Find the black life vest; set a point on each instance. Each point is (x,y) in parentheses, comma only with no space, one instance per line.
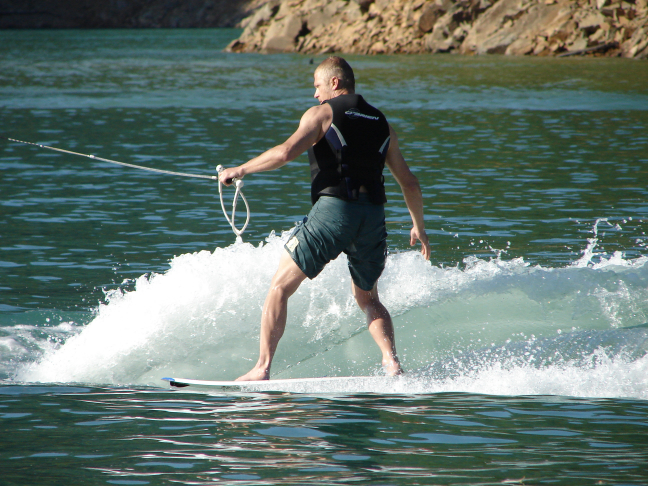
(351,153)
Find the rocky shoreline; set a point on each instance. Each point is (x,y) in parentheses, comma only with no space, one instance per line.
(512,27)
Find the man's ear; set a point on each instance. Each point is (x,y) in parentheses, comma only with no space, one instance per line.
(335,83)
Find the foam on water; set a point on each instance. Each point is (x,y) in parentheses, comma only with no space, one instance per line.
(497,326)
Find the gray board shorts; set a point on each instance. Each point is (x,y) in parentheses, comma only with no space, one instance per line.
(333,226)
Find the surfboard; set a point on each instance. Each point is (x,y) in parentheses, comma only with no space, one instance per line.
(323,384)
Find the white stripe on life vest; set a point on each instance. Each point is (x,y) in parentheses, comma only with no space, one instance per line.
(339,134)
(384,145)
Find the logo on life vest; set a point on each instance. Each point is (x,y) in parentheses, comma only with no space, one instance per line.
(354,113)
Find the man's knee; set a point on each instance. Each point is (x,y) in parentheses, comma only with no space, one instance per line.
(365,298)
(287,278)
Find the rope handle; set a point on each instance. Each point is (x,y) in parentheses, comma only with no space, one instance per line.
(219,169)
(238,183)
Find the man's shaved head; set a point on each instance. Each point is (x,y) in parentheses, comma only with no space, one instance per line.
(338,67)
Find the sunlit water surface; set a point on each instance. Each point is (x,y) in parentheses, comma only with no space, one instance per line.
(524,339)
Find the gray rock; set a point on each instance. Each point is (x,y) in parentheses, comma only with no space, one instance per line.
(512,26)
(429,17)
(281,35)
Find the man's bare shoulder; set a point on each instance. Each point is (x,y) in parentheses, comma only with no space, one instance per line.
(319,112)
(318,119)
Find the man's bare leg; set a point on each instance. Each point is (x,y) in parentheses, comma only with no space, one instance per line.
(275,311)
(380,327)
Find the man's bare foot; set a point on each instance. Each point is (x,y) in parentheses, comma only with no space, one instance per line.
(392,366)
(256,374)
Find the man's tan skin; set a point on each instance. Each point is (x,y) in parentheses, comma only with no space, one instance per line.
(312,127)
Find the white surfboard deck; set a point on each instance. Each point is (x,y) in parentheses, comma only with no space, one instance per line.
(331,383)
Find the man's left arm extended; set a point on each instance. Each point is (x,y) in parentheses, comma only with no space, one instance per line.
(308,133)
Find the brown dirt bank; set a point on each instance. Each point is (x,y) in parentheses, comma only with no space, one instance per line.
(513,27)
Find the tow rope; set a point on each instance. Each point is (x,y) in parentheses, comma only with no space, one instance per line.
(237,182)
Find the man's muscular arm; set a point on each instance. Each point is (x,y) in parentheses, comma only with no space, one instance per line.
(311,129)
(411,191)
